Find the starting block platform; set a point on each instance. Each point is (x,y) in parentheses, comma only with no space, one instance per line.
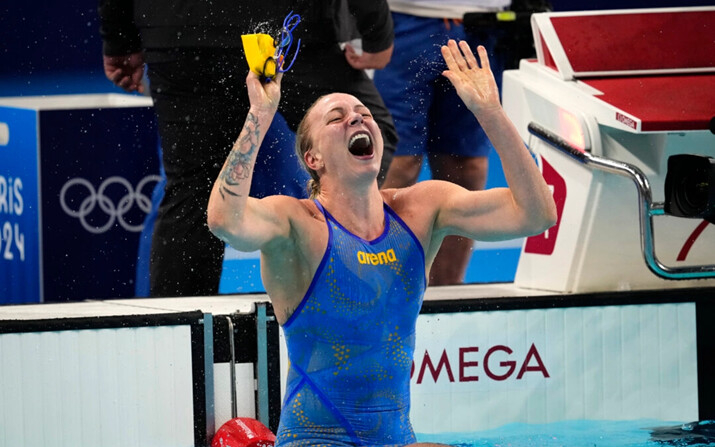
(609,98)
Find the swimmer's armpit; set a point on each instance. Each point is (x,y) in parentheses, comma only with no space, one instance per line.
(288,313)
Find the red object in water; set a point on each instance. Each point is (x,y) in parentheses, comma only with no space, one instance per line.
(243,432)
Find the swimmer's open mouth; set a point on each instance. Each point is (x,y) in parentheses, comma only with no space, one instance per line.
(360,145)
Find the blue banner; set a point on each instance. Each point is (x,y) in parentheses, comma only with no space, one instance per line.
(19,207)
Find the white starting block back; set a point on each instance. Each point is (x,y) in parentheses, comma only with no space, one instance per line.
(614,94)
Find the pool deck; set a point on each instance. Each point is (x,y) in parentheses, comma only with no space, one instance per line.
(227,304)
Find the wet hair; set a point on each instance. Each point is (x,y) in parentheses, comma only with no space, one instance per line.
(303,143)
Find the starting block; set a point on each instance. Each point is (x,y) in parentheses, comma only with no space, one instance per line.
(611,96)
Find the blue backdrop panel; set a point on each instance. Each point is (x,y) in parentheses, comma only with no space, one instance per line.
(98,170)
(19,209)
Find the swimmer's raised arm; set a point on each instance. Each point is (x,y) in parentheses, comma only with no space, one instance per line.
(526,207)
(244,222)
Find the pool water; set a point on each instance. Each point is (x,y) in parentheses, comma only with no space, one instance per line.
(585,433)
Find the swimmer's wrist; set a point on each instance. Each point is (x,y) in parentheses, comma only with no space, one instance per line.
(263,113)
(490,114)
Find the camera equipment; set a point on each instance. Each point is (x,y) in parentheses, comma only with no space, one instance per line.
(690,187)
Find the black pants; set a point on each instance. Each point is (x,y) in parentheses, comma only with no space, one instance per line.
(201,102)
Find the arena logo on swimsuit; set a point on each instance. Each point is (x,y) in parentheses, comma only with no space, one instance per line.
(384,257)
(500,371)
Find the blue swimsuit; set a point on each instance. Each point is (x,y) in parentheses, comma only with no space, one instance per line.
(351,340)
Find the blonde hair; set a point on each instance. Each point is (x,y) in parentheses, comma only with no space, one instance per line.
(304,143)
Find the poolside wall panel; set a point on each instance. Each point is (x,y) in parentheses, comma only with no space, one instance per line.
(100,387)
(480,370)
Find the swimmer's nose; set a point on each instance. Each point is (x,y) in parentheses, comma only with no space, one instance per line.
(356,119)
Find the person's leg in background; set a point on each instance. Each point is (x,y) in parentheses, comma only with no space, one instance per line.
(457,147)
(458,152)
(142,286)
(277,169)
(459,157)
(450,264)
(199,108)
(406,88)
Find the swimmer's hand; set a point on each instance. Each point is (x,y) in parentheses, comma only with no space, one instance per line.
(264,96)
(365,60)
(474,84)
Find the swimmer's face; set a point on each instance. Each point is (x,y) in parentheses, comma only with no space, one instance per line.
(344,133)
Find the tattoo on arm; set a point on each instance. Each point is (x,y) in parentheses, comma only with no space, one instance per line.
(224,190)
(240,161)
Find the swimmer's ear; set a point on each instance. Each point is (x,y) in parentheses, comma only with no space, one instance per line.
(313,161)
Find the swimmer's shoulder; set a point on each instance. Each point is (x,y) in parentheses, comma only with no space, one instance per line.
(417,204)
(298,211)
(423,195)
(420,204)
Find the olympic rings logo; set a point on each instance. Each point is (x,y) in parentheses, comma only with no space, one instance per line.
(115,212)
